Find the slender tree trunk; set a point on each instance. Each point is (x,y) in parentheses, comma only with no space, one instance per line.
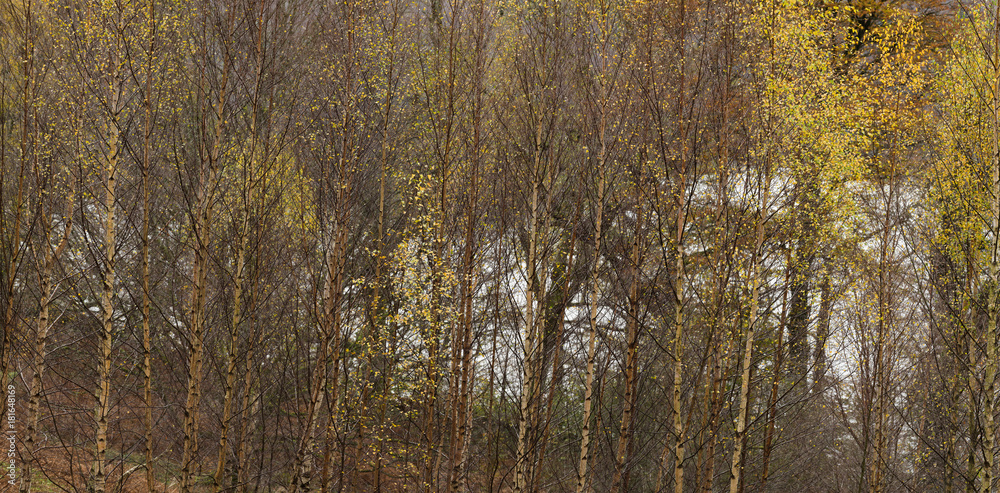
(13,250)
(434,341)
(822,328)
(713,408)
(250,398)
(249,198)
(595,298)
(801,286)
(681,222)
(231,359)
(776,379)
(713,399)
(50,258)
(328,359)
(303,468)
(621,476)
(462,343)
(736,469)
(679,355)
(975,436)
(526,432)
(192,405)
(491,389)
(883,350)
(330,347)
(103,409)
(993,307)
(556,315)
(204,202)
(379,307)
(147,341)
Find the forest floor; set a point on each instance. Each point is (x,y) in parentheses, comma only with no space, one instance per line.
(57,471)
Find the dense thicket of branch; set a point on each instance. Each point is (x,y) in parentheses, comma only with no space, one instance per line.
(480,245)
